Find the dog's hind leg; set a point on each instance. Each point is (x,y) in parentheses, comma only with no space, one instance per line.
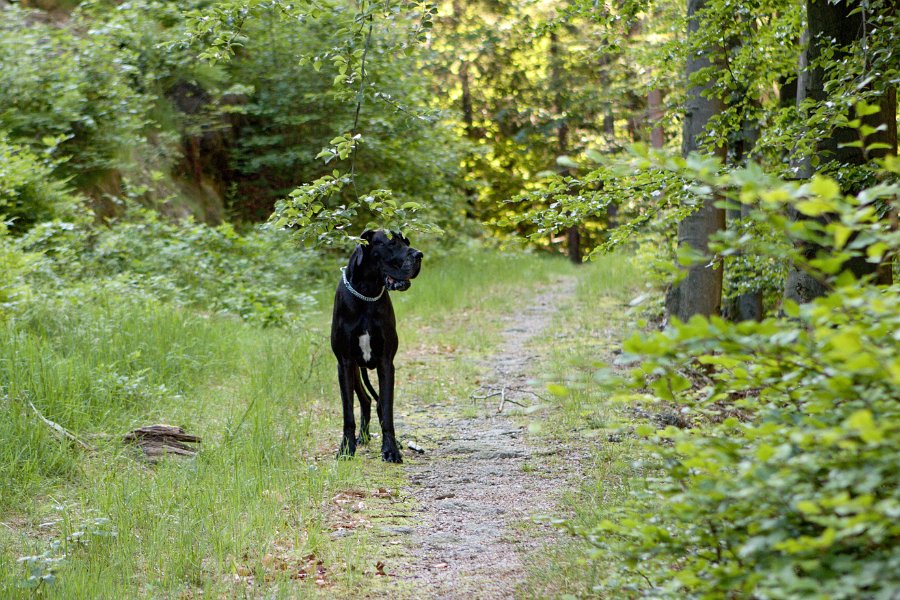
(365,408)
(365,378)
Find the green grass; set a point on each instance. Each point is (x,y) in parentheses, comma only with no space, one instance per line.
(258,500)
(588,331)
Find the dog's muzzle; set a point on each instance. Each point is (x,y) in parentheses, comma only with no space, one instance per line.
(400,280)
(396,285)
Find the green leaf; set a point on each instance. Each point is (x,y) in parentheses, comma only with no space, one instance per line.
(876,251)
(864,110)
(594,155)
(863,422)
(824,187)
(878,146)
(841,234)
(567,162)
(557,389)
(808,507)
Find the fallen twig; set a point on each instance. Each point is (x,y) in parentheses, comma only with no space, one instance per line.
(313,359)
(502,392)
(59,429)
(517,403)
(474,397)
(524,391)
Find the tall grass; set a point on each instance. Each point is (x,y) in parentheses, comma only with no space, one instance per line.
(473,280)
(103,368)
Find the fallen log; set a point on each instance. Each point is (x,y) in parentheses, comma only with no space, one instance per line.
(159,440)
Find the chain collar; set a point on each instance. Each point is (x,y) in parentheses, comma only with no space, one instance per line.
(354,292)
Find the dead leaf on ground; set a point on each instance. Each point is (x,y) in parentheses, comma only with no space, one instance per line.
(274,565)
(347,496)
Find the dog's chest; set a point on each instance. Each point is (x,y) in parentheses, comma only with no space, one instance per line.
(364,339)
(365,346)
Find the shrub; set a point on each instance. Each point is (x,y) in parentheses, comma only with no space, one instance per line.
(69,94)
(785,481)
(259,275)
(15,265)
(28,192)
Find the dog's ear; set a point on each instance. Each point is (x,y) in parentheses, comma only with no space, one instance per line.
(357,257)
(360,252)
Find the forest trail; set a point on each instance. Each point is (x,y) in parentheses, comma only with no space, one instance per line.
(480,482)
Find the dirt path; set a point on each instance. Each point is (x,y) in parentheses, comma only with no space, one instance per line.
(480,481)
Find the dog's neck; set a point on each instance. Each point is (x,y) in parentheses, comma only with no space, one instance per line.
(366,281)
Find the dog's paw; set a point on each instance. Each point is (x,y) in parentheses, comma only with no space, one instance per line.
(347,449)
(390,453)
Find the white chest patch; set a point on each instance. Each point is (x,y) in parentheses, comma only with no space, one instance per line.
(365,346)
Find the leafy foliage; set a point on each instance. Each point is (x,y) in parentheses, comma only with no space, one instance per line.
(785,481)
(423,116)
(67,95)
(16,265)
(259,276)
(29,193)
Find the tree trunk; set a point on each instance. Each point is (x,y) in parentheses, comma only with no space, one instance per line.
(468,115)
(700,292)
(573,236)
(836,26)
(655,113)
(831,26)
(749,305)
(573,240)
(468,118)
(802,286)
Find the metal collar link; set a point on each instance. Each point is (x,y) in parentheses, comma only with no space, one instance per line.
(354,292)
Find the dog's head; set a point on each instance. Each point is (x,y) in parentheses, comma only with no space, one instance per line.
(391,252)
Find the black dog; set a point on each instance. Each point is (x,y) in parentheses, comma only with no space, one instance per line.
(364,333)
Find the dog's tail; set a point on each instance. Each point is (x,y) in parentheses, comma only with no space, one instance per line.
(365,378)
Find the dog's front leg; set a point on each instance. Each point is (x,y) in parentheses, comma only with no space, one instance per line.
(346,381)
(389,450)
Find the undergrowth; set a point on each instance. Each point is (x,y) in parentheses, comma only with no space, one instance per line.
(253,512)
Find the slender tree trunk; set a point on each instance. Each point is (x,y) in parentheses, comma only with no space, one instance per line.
(609,128)
(609,122)
(573,236)
(888,116)
(468,118)
(700,292)
(466,95)
(655,113)
(747,306)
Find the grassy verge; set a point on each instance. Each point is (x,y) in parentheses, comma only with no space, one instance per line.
(589,330)
(263,509)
